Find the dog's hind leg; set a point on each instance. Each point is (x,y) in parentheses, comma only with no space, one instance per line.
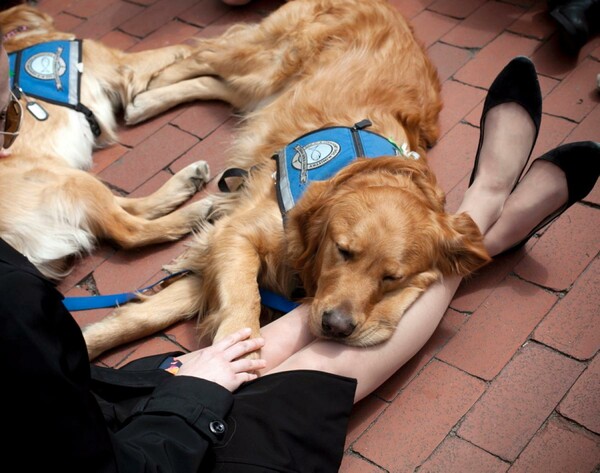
(130,231)
(178,301)
(173,193)
(141,67)
(106,219)
(155,101)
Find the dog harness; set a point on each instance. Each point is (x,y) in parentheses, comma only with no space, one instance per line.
(51,72)
(320,154)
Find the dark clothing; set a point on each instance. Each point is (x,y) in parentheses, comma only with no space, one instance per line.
(62,415)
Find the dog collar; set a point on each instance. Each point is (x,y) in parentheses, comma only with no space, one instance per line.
(319,155)
(14,32)
(51,72)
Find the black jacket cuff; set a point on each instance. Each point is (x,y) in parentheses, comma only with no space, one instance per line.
(201,403)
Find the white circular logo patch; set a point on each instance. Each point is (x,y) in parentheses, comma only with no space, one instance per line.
(317,154)
(45,66)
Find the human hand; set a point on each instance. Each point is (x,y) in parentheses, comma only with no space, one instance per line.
(219,363)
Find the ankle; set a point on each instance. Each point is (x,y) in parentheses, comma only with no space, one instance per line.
(483,205)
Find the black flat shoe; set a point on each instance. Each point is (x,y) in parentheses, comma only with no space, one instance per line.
(517,82)
(580,162)
(578,21)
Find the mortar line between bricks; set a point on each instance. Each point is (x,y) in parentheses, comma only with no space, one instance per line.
(455,428)
(453,434)
(453,79)
(586,362)
(471,50)
(570,120)
(561,293)
(372,423)
(118,28)
(132,2)
(574,424)
(175,125)
(367,460)
(189,23)
(495,455)
(487,382)
(118,190)
(539,430)
(73,15)
(174,341)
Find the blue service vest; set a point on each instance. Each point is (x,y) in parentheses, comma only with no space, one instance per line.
(51,72)
(320,154)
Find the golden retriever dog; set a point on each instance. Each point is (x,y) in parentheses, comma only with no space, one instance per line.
(51,208)
(363,243)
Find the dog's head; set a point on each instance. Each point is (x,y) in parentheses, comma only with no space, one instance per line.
(23,26)
(368,241)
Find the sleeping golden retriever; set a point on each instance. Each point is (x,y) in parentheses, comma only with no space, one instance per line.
(363,243)
(50,207)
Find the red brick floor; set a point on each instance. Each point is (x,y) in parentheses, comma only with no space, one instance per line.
(510,380)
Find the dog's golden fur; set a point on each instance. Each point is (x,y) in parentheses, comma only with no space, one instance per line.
(50,207)
(364,243)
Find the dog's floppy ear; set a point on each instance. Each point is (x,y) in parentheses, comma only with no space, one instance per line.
(304,228)
(461,243)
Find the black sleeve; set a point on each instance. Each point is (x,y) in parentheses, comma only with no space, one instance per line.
(172,429)
(53,421)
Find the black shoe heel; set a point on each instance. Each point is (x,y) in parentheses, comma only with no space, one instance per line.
(517,82)
(580,161)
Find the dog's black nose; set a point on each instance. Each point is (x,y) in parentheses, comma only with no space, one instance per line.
(336,323)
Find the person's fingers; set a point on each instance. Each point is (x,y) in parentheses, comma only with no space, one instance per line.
(232,339)
(243,348)
(245,364)
(245,377)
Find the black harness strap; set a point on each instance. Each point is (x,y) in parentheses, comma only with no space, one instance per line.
(231,172)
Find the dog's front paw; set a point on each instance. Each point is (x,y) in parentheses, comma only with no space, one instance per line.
(141,108)
(199,212)
(197,174)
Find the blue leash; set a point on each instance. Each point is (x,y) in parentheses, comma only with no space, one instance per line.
(268,298)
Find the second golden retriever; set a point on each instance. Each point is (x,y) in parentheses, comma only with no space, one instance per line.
(51,207)
(363,243)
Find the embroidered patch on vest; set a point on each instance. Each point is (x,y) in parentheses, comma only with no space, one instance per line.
(319,155)
(51,72)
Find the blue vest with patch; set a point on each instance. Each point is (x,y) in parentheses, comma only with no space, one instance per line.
(51,72)
(320,154)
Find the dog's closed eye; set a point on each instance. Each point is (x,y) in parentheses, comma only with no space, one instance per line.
(344,252)
(393,278)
